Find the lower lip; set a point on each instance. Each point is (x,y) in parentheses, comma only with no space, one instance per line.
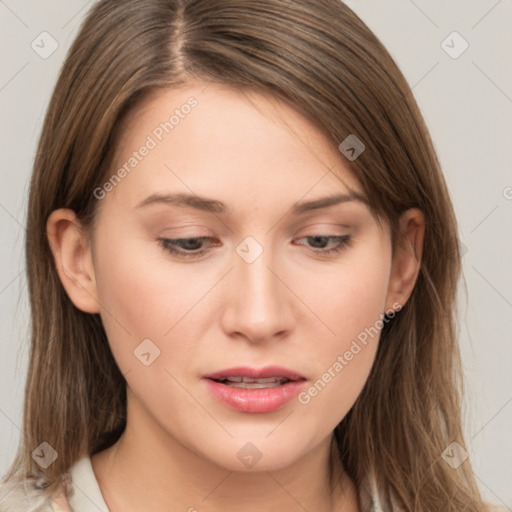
(255,400)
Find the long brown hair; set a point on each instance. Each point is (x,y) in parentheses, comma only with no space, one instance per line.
(323,60)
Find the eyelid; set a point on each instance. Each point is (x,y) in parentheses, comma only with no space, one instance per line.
(343,241)
(171,244)
(326,229)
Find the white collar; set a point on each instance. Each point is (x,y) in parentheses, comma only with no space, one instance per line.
(86,495)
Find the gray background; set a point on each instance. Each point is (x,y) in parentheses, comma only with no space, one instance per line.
(467,103)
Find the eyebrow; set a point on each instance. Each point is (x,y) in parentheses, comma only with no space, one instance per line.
(218,207)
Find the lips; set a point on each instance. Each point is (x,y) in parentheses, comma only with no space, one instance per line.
(250,383)
(255,390)
(268,376)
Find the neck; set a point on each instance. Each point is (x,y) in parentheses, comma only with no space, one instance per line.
(135,475)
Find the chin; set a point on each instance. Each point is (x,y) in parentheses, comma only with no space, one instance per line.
(255,454)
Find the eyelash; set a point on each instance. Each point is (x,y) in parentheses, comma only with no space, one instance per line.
(169,244)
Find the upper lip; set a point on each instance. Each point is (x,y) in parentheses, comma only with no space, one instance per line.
(255,373)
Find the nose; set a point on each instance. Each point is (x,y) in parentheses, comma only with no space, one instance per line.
(258,307)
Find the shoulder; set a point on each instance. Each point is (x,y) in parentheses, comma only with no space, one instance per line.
(31,495)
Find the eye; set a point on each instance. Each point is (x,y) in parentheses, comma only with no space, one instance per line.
(194,247)
(185,247)
(322,246)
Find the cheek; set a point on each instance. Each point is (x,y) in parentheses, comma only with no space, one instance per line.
(352,296)
(143,297)
(352,303)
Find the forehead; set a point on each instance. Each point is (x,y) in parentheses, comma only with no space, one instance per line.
(234,145)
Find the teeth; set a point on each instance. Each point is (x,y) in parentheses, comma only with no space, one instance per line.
(253,385)
(250,383)
(265,381)
(233,379)
(250,379)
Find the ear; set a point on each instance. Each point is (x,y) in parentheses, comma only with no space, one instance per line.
(406,259)
(73,259)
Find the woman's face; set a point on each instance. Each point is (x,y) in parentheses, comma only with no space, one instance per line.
(264,276)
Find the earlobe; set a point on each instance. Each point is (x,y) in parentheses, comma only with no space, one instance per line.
(73,259)
(406,259)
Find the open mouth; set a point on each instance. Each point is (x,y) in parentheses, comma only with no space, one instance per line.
(251,390)
(251,383)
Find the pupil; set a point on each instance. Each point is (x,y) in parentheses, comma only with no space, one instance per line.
(321,239)
(192,243)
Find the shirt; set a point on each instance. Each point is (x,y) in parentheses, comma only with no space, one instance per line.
(84,495)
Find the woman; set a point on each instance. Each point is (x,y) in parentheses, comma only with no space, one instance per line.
(242,263)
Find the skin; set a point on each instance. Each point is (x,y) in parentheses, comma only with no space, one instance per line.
(292,306)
